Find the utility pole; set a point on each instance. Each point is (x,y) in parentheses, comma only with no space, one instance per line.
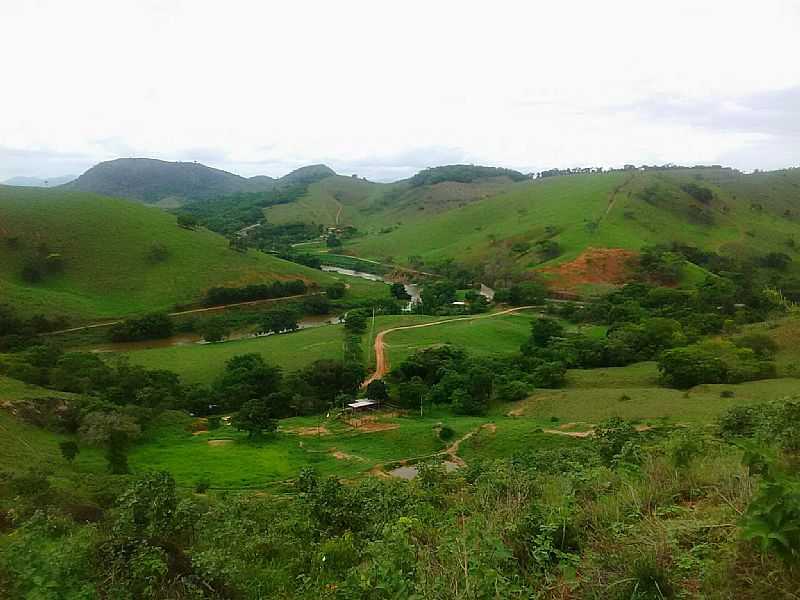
(371,338)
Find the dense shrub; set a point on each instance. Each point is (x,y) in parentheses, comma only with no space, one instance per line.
(150,327)
(278,289)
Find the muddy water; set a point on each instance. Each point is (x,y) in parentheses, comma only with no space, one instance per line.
(185,339)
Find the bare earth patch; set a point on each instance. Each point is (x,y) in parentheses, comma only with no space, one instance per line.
(219,442)
(517,412)
(490,427)
(372,426)
(575,434)
(338,455)
(593,266)
(306,431)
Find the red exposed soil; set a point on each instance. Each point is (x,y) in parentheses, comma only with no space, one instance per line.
(593,266)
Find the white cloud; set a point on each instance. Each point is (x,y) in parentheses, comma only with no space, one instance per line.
(263,87)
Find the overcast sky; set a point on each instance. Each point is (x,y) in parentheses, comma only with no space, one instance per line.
(383,89)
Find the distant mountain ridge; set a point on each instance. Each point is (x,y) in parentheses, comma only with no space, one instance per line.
(154,181)
(39,181)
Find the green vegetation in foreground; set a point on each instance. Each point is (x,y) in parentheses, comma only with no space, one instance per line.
(106,248)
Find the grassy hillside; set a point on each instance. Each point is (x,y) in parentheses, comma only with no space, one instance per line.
(499,222)
(105,247)
(24,446)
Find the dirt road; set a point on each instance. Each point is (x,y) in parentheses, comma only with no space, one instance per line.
(382,363)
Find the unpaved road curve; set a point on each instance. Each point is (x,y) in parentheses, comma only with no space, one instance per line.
(382,363)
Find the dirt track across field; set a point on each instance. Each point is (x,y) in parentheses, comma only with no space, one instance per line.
(382,363)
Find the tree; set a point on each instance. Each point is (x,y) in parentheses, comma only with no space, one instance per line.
(215,330)
(398,290)
(187,221)
(548,249)
(760,343)
(332,241)
(31,273)
(690,366)
(279,320)
(150,327)
(465,403)
(438,294)
(255,417)
(317,305)
(376,390)
(157,253)
(699,193)
(355,321)
(115,432)
(328,378)
(543,330)
(336,290)
(522,294)
(411,393)
(69,450)
(237,243)
(246,376)
(776,260)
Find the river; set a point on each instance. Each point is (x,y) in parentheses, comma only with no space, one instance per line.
(186,339)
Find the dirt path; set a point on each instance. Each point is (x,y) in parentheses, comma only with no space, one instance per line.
(382,363)
(338,212)
(189,312)
(612,198)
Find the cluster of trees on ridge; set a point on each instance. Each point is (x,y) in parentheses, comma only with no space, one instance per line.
(462,174)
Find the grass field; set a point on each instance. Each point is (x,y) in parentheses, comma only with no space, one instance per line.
(201,363)
(218,456)
(104,244)
(492,335)
(701,404)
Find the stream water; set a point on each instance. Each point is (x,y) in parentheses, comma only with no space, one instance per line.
(185,339)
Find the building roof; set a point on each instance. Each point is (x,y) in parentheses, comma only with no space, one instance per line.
(362,403)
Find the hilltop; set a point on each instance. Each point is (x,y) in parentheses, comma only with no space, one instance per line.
(171,184)
(104,257)
(158,181)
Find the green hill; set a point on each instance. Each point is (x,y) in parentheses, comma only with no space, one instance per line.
(171,184)
(112,257)
(167,183)
(496,220)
